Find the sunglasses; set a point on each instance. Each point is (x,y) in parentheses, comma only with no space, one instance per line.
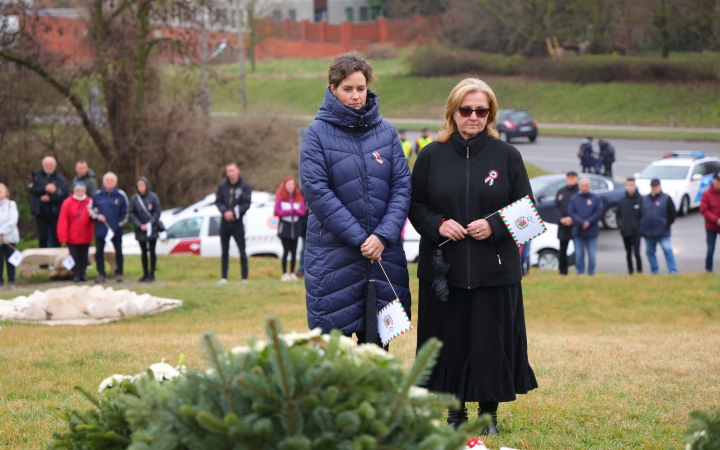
(467,112)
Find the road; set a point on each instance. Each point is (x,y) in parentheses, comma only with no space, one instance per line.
(558,154)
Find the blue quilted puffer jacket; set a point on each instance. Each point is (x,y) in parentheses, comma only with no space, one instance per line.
(357,183)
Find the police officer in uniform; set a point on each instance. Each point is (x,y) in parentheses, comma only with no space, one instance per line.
(406,145)
(233,200)
(422,140)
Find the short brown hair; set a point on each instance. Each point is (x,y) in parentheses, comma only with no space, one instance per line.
(630,179)
(80,161)
(347,64)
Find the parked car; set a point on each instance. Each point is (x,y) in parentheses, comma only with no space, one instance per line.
(514,123)
(544,249)
(195,230)
(545,188)
(683,175)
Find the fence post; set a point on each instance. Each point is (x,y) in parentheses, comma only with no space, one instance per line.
(346,35)
(303,30)
(382,27)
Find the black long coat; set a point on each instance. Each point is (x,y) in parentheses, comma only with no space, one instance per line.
(449,181)
(562,204)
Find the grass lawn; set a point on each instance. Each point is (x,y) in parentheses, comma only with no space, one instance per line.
(296,86)
(621,361)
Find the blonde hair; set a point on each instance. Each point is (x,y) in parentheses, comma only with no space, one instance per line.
(463,88)
(7,191)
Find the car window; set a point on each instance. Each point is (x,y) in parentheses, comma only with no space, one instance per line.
(538,184)
(188,228)
(551,191)
(214,226)
(519,115)
(699,169)
(712,166)
(598,185)
(665,172)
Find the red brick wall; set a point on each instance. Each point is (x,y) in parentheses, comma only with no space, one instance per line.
(66,38)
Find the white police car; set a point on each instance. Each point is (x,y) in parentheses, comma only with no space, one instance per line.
(683,175)
(195,230)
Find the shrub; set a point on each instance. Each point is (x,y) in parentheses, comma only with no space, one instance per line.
(428,61)
(380,51)
(293,391)
(704,432)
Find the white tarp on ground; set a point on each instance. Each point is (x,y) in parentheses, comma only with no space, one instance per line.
(82,305)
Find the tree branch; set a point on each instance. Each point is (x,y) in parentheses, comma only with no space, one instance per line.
(77,104)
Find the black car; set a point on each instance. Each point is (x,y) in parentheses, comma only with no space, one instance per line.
(545,189)
(514,123)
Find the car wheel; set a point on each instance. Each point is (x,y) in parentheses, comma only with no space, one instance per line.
(610,218)
(548,260)
(684,206)
(504,137)
(532,137)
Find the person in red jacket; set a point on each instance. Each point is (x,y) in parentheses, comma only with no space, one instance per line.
(290,208)
(710,209)
(76,229)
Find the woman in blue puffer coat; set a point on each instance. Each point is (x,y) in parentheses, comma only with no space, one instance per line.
(357,185)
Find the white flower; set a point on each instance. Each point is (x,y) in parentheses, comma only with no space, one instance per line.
(257,347)
(417,391)
(293,338)
(240,349)
(371,352)
(164,371)
(113,381)
(346,344)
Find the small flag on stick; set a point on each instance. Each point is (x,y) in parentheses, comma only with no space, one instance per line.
(393,322)
(522,220)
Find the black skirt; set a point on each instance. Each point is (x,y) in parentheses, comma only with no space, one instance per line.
(484,354)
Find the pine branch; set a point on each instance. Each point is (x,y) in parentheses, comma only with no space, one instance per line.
(280,354)
(424,361)
(213,349)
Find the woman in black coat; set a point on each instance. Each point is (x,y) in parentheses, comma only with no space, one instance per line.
(145,211)
(458,184)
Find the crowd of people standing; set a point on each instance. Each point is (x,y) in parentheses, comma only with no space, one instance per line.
(649,218)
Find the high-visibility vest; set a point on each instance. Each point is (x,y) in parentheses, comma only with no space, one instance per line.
(422,142)
(407,148)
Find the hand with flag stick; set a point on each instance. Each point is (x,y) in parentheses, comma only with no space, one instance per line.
(520,217)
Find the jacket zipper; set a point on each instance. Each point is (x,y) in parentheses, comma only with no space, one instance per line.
(467,209)
(367,203)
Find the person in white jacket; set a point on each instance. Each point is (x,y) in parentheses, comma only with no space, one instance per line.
(9,234)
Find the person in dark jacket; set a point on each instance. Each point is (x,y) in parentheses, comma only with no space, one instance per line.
(629,209)
(144,210)
(657,215)
(48,190)
(233,199)
(710,209)
(585,209)
(587,159)
(562,201)
(76,229)
(109,208)
(607,155)
(460,182)
(357,185)
(87,176)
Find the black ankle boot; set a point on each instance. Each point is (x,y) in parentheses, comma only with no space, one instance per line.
(492,429)
(456,417)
